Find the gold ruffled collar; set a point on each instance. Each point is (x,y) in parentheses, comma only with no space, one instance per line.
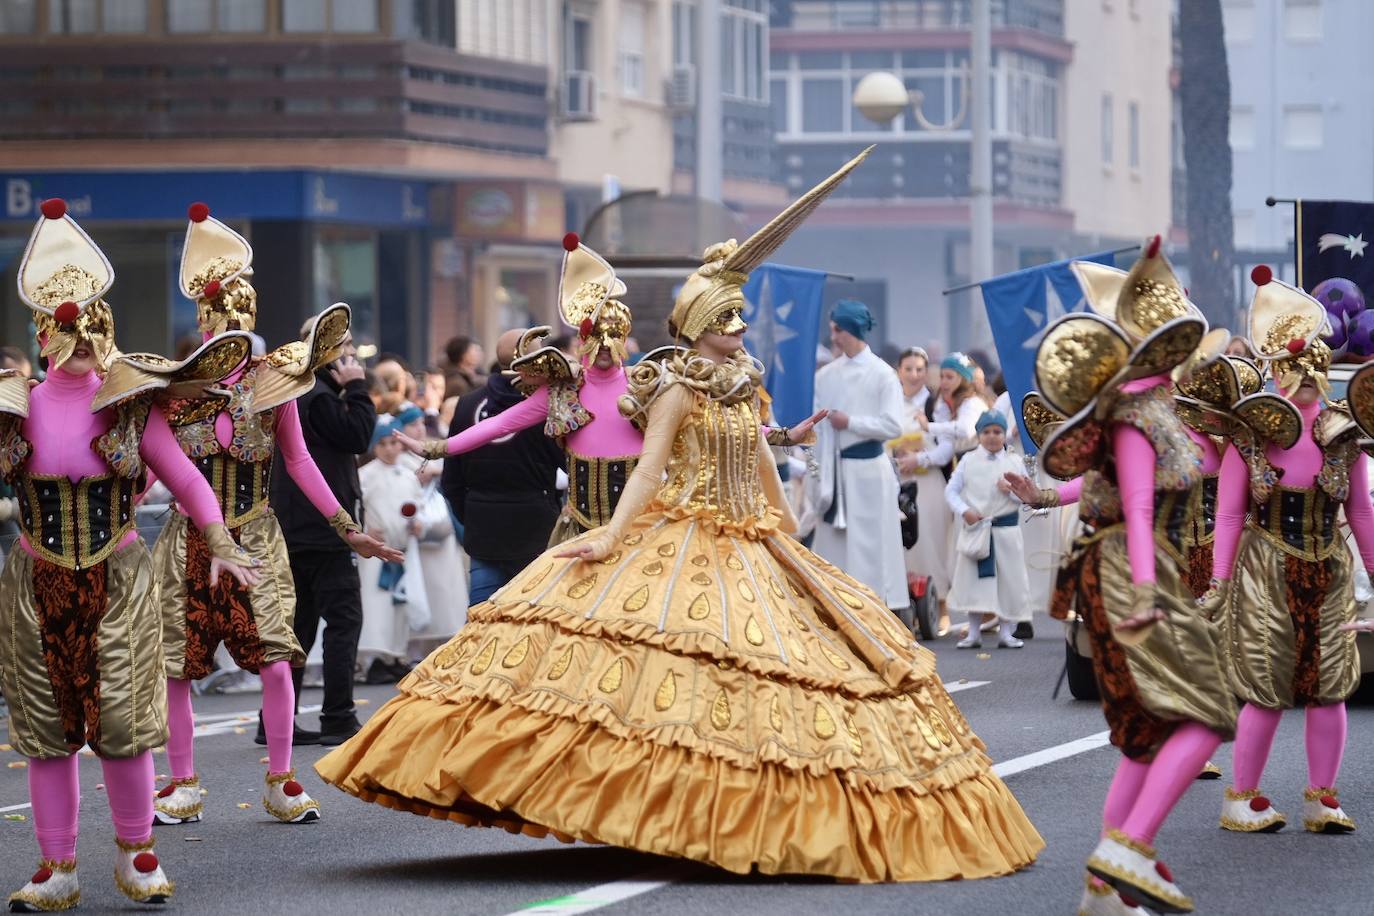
(735,380)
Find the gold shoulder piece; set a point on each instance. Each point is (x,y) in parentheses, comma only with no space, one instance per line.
(288,372)
(536,367)
(14,393)
(1333,424)
(1270,417)
(133,374)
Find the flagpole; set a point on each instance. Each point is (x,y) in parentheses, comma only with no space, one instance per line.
(963,286)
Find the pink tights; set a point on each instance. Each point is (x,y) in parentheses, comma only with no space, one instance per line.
(56,797)
(1143,794)
(1255,736)
(278,720)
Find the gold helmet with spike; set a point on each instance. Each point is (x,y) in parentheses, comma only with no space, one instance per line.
(1286,329)
(216,272)
(63,277)
(712,299)
(589,301)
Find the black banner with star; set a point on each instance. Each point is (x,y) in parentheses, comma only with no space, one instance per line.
(1332,238)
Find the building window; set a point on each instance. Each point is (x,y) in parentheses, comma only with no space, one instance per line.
(684,33)
(1303,126)
(1302,20)
(579,85)
(1133,130)
(1106,128)
(744,50)
(823,106)
(79,17)
(1238,21)
(1242,130)
(216,15)
(431,21)
(630,49)
(329,16)
(17,17)
(515,30)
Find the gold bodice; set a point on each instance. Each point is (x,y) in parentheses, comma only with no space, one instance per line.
(713,467)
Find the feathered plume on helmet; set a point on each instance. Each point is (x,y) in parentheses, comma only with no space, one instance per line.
(63,277)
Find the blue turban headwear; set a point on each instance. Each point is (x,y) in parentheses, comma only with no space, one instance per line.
(385,427)
(853,316)
(990,418)
(407,415)
(959,363)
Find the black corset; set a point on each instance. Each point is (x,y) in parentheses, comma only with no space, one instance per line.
(79,524)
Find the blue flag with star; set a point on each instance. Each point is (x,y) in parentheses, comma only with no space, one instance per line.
(783,308)
(1331,237)
(1020,307)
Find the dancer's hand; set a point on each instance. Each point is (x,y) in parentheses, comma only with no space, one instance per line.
(971,517)
(592,549)
(1141,619)
(1213,600)
(909,462)
(838,419)
(1364,625)
(414,446)
(247,576)
(798,434)
(1022,487)
(365,545)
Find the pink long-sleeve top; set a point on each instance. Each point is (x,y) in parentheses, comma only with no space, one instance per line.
(1211,458)
(609,435)
(61,428)
(1298,467)
(1134,458)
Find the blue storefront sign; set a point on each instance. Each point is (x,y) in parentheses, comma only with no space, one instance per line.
(325,197)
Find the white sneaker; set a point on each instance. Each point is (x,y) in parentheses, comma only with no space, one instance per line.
(286,800)
(1104,900)
(1321,812)
(1009,642)
(1133,869)
(139,876)
(53,887)
(1250,812)
(970,642)
(179,802)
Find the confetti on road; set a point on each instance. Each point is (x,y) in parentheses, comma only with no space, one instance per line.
(16,817)
(963,680)
(244,805)
(100,787)
(264,759)
(6,747)
(240,731)
(362,701)
(204,791)
(983,656)
(17,764)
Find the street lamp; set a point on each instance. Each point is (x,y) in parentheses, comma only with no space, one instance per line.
(881,96)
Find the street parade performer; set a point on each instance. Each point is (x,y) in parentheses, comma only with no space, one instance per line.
(80,647)
(578,405)
(230,433)
(1156,657)
(1284,583)
(688,680)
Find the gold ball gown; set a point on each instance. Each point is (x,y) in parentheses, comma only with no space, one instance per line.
(710,689)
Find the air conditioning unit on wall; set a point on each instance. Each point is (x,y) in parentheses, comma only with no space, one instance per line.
(682,88)
(579,95)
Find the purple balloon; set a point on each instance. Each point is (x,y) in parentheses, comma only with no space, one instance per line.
(1340,296)
(1339,339)
(1361,334)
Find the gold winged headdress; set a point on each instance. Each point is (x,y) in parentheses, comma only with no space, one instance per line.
(63,277)
(216,273)
(589,301)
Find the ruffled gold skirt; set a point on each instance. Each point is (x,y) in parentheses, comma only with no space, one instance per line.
(710,691)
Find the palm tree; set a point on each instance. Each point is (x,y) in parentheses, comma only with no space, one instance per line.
(1205,98)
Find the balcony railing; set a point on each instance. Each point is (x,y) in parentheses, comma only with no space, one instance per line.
(1045,16)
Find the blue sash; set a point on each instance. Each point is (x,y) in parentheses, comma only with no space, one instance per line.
(869,448)
(987,567)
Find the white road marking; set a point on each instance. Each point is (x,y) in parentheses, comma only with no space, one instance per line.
(595,898)
(956,686)
(15,808)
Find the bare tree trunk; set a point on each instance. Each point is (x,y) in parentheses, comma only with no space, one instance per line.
(1205,97)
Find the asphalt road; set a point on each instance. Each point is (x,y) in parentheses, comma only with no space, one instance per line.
(365,859)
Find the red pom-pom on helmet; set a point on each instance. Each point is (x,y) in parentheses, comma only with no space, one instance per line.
(571,241)
(145,863)
(1153,250)
(211,290)
(198,212)
(1261,275)
(586,328)
(54,208)
(1296,345)
(42,875)
(1329,801)
(1259,803)
(1164,872)
(66,313)
(408,510)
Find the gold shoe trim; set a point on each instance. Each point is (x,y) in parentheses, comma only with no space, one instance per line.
(1318,825)
(143,894)
(63,865)
(1233,795)
(289,815)
(1146,886)
(186,781)
(1228,823)
(277,779)
(146,846)
(1135,845)
(182,812)
(45,904)
(1317,793)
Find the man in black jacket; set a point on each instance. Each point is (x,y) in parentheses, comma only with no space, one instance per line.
(505,494)
(337,418)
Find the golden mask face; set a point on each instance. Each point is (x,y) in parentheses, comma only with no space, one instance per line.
(1312,363)
(728,321)
(610,330)
(224,305)
(94,326)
